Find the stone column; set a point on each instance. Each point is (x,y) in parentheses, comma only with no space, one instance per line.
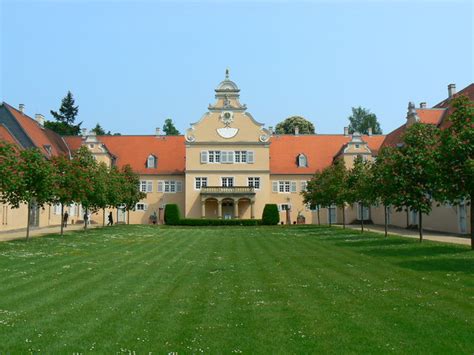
(219,209)
(236,209)
(252,212)
(203,209)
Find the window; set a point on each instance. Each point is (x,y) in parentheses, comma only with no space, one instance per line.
(170,186)
(302,161)
(283,186)
(200,182)
(141,207)
(227,182)
(285,207)
(151,162)
(254,182)
(214,156)
(240,156)
(304,185)
(57,209)
(357,146)
(146,186)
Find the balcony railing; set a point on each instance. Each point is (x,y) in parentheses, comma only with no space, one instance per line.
(236,190)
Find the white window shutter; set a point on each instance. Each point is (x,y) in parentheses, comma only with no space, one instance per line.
(149,186)
(204,157)
(275,186)
(293,186)
(145,206)
(304,184)
(279,207)
(160,186)
(230,157)
(223,157)
(250,157)
(179,186)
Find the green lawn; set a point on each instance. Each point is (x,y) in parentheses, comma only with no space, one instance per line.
(235,289)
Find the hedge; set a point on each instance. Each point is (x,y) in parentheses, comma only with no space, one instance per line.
(270,215)
(172,214)
(218,222)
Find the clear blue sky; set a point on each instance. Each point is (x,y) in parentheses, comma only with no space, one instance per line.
(131,64)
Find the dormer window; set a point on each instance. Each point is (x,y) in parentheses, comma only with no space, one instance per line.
(151,162)
(302,161)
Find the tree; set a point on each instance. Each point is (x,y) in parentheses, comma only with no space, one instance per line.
(169,128)
(64,180)
(336,186)
(416,171)
(10,178)
(456,158)
(359,186)
(130,192)
(270,215)
(361,120)
(65,118)
(288,126)
(33,184)
(98,130)
(314,193)
(384,186)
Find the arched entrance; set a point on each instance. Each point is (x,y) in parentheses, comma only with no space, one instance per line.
(228,208)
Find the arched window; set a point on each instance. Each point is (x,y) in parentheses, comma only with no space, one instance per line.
(151,162)
(302,161)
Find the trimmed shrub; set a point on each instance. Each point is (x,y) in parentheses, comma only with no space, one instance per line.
(172,214)
(270,215)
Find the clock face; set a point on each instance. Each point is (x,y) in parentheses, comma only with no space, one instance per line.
(227,118)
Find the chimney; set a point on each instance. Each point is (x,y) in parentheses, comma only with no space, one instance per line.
(84,132)
(451,90)
(40,119)
(297,130)
(21,108)
(157,131)
(346,131)
(423,105)
(369,131)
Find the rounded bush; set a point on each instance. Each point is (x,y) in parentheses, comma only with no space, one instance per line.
(270,215)
(172,214)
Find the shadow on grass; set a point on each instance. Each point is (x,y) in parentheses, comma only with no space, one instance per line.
(442,264)
(372,242)
(420,251)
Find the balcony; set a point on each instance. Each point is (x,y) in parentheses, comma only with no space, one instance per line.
(234,190)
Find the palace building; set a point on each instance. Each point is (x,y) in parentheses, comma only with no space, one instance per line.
(226,165)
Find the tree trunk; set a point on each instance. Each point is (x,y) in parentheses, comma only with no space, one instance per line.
(62,219)
(103,217)
(28,221)
(420,226)
(343,217)
(86,219)
(128,217)
(472,222)
(386,220)
(319,219)
(330,221)
(362,217)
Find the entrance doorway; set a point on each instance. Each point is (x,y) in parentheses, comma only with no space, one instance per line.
(462,218)
(34,214)
(227,209)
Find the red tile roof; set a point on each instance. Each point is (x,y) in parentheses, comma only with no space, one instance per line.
(6,136)
(134,150)
(40,136)
(319,150)
(430,116)
(467,91)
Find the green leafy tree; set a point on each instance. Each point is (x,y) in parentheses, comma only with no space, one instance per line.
(169,128)
(130,192)
(288,126)
(100,198)
(314,193)
(416,171)
(33,185)
(10,179)
(456,158)
(172,216)
(64,180)
(383,181)
(65,118)
(98,130)
(336,185)
(359,186)
(361,120)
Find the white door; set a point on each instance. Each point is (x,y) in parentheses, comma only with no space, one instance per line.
(332,214)
(389,215)
(462,218)
(362,212)
(413,217)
